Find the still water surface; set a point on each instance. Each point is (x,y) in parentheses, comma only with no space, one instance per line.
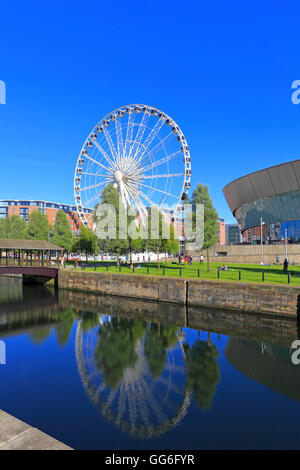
(111,373)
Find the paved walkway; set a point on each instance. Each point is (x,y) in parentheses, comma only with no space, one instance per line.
(16,435)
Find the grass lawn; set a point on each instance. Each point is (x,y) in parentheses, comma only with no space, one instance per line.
(248,272)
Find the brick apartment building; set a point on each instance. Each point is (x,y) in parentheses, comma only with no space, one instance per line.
(221,232)
(24,208)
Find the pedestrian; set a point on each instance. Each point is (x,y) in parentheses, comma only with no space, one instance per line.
(285,264)
(201,259)
(277,259)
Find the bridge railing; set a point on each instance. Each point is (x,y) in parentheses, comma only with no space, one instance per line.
(43,263)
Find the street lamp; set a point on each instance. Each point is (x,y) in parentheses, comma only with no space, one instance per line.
(285,242)
(261,243)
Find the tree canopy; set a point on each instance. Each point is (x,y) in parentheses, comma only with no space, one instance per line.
(203,373)
(38,227)
(13,227)
(62,233)
(201,196)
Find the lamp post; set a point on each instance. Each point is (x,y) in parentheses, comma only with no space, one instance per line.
(50,232)
(261,243)
(285,242)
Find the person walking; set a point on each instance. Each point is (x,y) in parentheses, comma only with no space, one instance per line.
(285,264)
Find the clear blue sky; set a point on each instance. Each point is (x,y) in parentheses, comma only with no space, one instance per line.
(222,70)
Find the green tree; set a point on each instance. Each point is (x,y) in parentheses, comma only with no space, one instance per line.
(87,241)
(4,228)
(172,244)
(201,196)
(17,227)
(62,233)
(38,226)
(13,227)
(135,246)
(75,244)
(116,244)
(203,373)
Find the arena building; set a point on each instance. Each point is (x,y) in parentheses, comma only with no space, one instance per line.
(267,203)
(23,208)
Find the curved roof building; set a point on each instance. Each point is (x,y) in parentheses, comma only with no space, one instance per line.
(272,194)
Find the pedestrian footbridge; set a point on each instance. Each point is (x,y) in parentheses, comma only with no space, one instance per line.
(35,260)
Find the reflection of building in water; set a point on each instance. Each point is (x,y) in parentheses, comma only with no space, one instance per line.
(142,403)
(11,289)
(267,364)
(25,307)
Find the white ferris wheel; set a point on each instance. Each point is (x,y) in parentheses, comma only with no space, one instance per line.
(143,153)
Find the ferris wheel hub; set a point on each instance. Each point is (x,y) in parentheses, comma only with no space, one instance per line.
(118,176)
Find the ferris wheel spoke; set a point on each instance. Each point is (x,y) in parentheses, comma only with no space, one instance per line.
(102,151)
(119,139)
(138,202)
(147,198)
(174,175)
(123,193)
(94,174)
(111,148)
(132,405)
(156,189)
(92,199)
(111,397)
(92,186)
(100,164)
(121,404)
(163,160)
(157,148)
(134,148)
(154,132)
(153,403)
(127,193)
(129,134)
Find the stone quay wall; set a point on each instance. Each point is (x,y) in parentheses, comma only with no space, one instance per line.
(125,285)
(244,297)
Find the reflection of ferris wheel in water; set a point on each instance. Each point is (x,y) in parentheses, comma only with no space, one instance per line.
(140,150)
(140,405)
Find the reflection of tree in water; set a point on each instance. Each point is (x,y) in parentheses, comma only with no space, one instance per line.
(158,340)
(64,328)
(116,348)
(89,320)
(202,369)
(40,334)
